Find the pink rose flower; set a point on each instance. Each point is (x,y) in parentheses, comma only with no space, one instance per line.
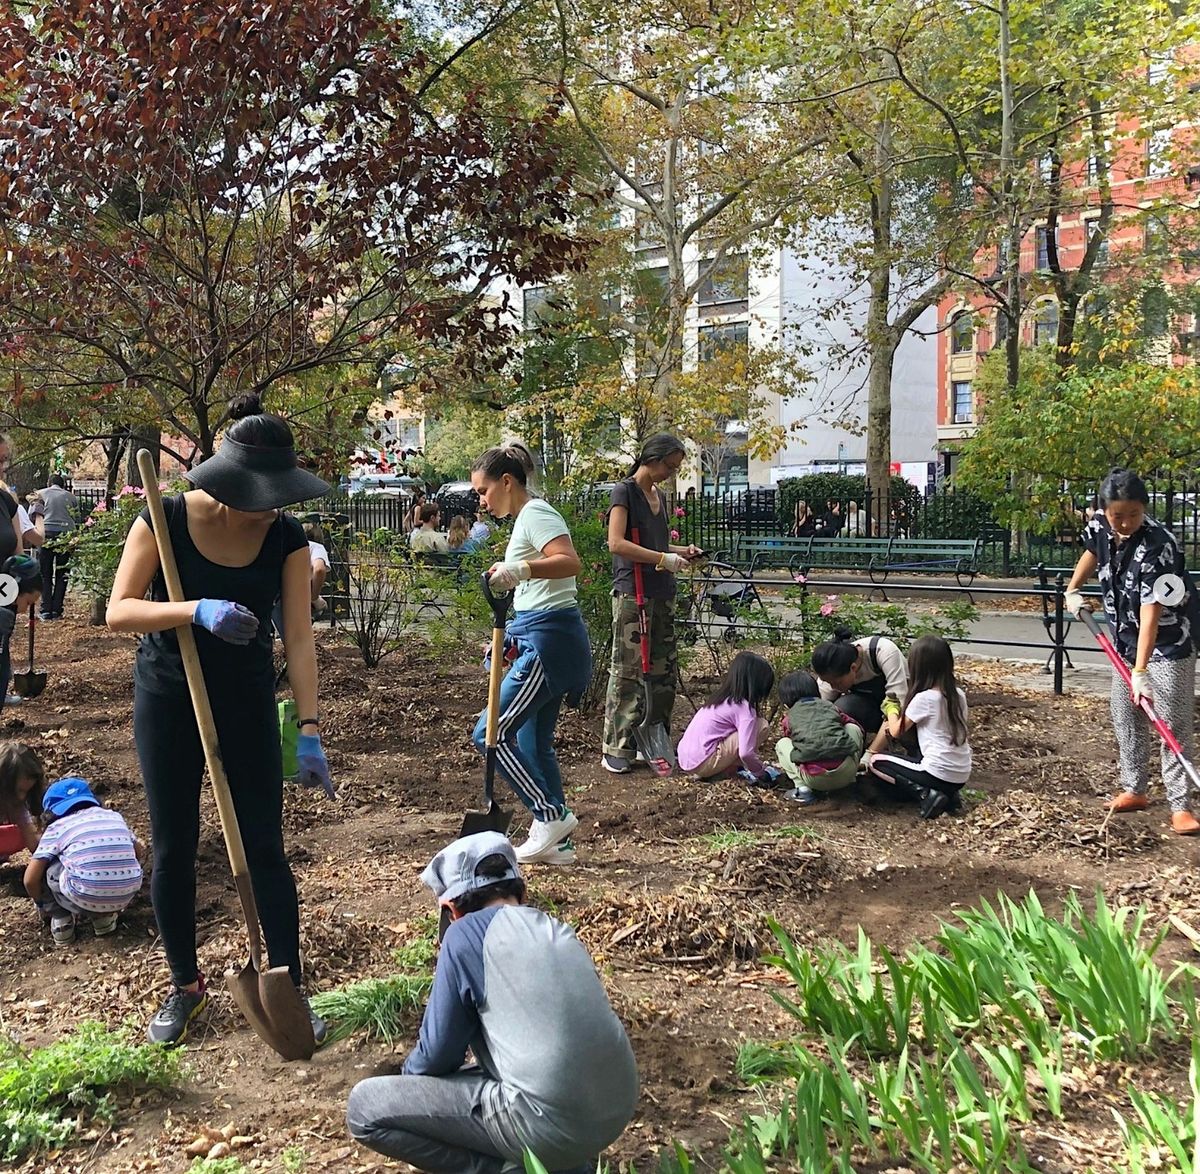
(680,512)
(798,578)
(674,535)
(830,605)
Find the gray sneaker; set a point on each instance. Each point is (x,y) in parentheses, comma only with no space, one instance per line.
(614,764)
(170,1025)
(62,928)
(104,923)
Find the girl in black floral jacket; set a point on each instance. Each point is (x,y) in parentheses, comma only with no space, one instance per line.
(1142,575)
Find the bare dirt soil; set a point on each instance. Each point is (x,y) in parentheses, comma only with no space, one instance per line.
(674,912)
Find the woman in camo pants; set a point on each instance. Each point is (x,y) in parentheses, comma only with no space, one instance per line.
(1151,606)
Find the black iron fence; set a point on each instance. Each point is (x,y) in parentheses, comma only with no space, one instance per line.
(714,521)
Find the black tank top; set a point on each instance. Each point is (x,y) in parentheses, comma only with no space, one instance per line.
(159,666)
(8,536)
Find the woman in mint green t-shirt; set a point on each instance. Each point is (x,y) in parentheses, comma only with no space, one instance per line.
(553,653)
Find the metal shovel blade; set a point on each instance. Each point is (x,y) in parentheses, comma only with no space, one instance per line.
(270,1001)
(654,742)
(28,684)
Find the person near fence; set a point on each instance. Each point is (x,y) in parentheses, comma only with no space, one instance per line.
(58,510)
(554,1072)
(237,553)
(936,707)
(724,733)
(821,744)
(553,652)
(459,533)
(856,525)
(10,526)
(857,674)
(427,538)
(318,561)
(1153,613)
(638,504)
(830,523)
(804,521)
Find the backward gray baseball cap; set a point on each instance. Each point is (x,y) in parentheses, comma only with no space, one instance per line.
(452,872)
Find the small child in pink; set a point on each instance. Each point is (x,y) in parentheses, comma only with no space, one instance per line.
(726,730)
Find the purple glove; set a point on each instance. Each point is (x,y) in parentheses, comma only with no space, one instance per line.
(314,768)
(229,621)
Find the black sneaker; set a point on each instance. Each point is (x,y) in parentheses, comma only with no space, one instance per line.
(320,1030)
(170,1025)
(934,803)
(614,764)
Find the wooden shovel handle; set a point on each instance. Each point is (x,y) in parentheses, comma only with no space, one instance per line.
(201,705)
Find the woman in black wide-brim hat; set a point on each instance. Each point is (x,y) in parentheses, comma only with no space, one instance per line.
(237,554)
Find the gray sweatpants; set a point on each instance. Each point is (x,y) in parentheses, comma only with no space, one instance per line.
(1173,683)
(440,1124)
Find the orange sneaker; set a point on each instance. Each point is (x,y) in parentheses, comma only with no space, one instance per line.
(1184,823)
(1128,801)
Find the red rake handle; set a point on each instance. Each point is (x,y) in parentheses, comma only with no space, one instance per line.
(1118,663)
(643,620)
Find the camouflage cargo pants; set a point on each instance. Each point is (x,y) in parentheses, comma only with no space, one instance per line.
(623,705)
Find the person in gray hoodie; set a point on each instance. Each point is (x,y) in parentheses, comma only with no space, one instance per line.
(554,1072)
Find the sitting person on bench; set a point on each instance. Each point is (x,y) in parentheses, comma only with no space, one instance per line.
(856,675)
(554,1071)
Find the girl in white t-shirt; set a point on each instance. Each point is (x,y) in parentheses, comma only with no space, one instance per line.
(937,709)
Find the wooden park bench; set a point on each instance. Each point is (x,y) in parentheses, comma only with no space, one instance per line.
(928,554)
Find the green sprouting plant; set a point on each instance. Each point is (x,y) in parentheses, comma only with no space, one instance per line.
(420,952)
(49,1092)
(843,996)
(757,1062)
(294,1159)
(383,1007)
(1164,1129)
(725,838)
(216,1166)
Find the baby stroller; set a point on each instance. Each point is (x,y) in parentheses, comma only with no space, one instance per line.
(722,603)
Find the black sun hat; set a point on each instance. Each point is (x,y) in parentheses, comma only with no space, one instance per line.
(256,477)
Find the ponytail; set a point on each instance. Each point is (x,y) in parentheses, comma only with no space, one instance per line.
(657,448)
(514,459)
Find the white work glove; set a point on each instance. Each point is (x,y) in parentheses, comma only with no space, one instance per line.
(864,763)
(671,562)
(505,576)
(1073,601)
(1139,686)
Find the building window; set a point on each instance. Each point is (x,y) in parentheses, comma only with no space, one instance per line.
(1041,238)
(1156,238)
(960,392)
(962,333)
(1156,311)
(712,340)
(1045,324)
(1093,228)
(538,306)
(726,287)
(1158,154)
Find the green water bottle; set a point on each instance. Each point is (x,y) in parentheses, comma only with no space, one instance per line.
(289,735)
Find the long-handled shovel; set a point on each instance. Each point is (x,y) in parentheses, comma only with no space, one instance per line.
(493,818)
(1164,731)
(268,999)
(651,737)
(29,684)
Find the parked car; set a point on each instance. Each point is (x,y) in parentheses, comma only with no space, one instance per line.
(751,507)
(456,497)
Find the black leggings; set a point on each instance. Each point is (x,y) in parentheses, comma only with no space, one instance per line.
(909,779)
(172,761)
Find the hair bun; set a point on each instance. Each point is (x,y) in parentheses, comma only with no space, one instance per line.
(843,634)
(242,406)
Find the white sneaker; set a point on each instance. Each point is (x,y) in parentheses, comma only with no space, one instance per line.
(545,836)
(62,928)
(103,924)
(562,854)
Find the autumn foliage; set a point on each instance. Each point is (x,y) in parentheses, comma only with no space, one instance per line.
(202,197)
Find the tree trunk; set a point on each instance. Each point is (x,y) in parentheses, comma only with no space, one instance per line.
(114,450)
(144,436)
(879,431)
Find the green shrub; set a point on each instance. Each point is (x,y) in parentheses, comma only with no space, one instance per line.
(46,1095)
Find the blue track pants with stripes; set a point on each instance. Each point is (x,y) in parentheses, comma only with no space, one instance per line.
(525,756)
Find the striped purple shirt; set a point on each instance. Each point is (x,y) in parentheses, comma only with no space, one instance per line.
(95,848)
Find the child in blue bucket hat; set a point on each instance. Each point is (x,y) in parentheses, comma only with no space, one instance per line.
(87,862)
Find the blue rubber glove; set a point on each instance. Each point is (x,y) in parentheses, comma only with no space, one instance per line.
(314,767)
(229,621)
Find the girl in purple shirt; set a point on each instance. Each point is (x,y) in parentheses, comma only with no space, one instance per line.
(726,730)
